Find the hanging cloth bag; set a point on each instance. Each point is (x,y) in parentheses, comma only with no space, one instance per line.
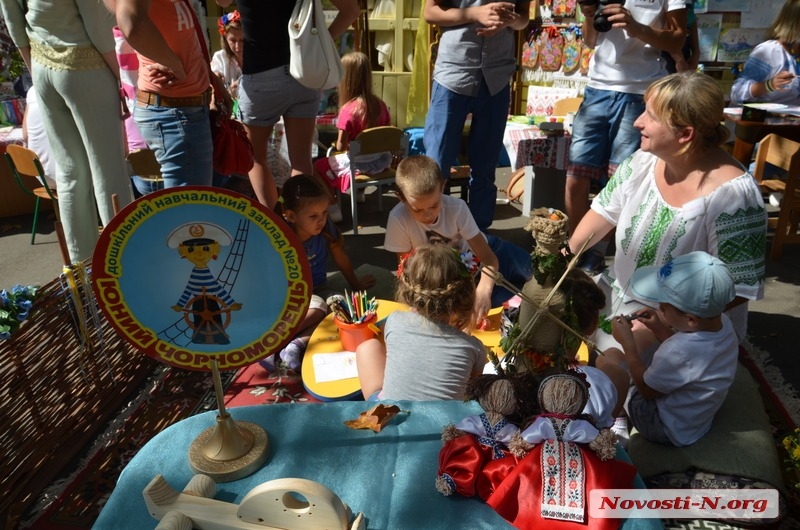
(233,152)
(314,60)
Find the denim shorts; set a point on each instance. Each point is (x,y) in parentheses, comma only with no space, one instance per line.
(644,416)
(266,96)
(602,132)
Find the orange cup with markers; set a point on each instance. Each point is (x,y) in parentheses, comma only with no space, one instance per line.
(354,334)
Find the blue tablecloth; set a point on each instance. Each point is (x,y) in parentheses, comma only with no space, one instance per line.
(389,476)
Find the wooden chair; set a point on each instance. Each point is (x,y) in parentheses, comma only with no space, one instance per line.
(30,177)
(785,154)
(373,141)
(564,106)
(143,163)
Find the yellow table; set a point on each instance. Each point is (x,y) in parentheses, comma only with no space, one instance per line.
(325,339)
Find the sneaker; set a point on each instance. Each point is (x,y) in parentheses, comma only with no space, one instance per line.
(335,213)
(361,196)
(620,430)
(593,262)
(268,364)
(292,354)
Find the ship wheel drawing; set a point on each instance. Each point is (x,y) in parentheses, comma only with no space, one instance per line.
(207,316)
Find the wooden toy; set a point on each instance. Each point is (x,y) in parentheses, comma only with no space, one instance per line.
(287,504)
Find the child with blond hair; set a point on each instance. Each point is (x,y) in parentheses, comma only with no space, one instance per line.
(426,215)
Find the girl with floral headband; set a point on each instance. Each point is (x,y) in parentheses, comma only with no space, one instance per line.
(227,62)
(427,352)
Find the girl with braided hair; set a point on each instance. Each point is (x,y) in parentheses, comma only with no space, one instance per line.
(427,352)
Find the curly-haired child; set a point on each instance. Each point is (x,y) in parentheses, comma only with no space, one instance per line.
(427,353)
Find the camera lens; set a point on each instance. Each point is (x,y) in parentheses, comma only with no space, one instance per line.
(601,23)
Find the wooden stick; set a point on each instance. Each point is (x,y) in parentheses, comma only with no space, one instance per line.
(62,244)
(115,203)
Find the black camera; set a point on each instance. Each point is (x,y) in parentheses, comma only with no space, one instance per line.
(600,22)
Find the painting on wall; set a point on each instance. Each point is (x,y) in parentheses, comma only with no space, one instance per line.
(735,44)
(708,29)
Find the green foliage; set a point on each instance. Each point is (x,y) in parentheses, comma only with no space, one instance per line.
(15,306)
(13,67)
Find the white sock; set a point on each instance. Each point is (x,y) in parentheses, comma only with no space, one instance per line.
(620,429)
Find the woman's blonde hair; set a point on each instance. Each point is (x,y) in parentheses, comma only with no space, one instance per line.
(434,281)
(786,27)
(690,99)
(357,84)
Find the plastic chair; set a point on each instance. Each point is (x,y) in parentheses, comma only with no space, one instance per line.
(25,166)
(785,154)
(373,141)
(564,106)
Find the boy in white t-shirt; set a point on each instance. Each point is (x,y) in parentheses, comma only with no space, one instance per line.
(426,216)
(680,388)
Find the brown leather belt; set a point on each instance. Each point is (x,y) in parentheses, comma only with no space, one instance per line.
(151,98)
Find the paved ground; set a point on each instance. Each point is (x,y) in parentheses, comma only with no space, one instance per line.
(774,324)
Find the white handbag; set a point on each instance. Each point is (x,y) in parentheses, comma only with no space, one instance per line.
(314,62)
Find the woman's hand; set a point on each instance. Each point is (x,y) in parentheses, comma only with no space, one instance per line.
(782,80)
(164,76)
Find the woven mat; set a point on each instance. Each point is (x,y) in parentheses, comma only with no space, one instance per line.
(169,395)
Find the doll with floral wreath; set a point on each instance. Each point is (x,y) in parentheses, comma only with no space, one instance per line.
(475,457)
(562,456)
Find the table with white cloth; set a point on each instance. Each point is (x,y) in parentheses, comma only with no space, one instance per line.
(389,475)
(545,156)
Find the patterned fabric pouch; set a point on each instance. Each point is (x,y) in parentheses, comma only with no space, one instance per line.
(551,49)
(572,49)
(563,8)
(530,51)
(586,57)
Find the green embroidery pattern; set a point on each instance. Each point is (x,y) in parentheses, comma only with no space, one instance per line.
(624,172)
(742,242)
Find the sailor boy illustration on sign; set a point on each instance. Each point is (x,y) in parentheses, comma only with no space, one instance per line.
(205,303)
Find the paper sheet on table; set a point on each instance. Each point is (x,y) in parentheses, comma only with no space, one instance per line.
(335,366)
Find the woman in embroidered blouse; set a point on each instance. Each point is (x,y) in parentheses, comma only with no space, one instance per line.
(771,72)
(678,193)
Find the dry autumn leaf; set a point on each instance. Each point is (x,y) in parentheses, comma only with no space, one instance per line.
(375,418)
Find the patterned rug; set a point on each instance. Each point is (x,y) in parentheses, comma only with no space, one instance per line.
(782,404)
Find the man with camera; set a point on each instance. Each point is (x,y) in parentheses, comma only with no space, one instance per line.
(627,37)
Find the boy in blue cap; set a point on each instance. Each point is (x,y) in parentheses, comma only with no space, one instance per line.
(683,364)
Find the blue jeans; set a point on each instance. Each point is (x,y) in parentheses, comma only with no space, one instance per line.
(444,125)
(181,140)
(515,266)
(603,131)
(142,187)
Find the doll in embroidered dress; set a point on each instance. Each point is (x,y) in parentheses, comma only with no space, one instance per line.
(562,456)
(475,457)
